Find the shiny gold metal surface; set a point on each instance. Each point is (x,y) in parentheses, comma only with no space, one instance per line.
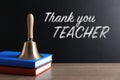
(30,50)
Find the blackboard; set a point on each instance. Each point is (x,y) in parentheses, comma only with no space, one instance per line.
(13,28)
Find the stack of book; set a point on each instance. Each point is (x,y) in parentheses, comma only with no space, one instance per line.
(9,63)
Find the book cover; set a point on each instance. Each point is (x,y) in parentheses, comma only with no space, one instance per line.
(25,71)
(9,58)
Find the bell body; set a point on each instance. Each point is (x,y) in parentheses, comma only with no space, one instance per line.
(29,51)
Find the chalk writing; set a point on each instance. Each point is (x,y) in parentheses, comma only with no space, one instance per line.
(77,30)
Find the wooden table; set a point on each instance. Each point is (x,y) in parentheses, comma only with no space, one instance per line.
(74,71)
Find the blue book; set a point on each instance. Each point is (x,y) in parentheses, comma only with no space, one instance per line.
(9,58)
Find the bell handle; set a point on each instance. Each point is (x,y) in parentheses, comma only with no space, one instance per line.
(30,24)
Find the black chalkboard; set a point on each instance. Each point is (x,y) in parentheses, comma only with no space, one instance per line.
(13,28)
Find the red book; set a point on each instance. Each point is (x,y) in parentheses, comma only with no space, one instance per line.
(25,71)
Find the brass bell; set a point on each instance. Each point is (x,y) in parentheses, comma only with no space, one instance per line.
(30,50)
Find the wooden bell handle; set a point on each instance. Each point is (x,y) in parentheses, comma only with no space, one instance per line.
(30,24)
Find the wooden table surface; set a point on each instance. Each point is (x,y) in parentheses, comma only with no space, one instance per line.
(74,71)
